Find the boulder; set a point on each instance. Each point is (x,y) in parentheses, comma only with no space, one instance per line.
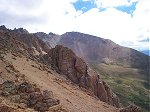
(8,87)
(25,87)
(47,94)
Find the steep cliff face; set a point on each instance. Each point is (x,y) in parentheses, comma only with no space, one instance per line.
(67,63)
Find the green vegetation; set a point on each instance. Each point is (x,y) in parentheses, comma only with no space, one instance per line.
(130,86)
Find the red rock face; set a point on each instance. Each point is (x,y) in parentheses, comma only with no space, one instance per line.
(67,63)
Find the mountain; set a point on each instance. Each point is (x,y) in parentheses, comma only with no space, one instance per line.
(147,52)
(96,50)
(124,69)
(36,77)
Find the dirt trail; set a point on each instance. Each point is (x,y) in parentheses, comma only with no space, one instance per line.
(71,97)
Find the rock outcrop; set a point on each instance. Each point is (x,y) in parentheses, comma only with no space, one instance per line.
(20,30)
(21,40)
(28,95)
(3,27)
(67,63)
(130,108)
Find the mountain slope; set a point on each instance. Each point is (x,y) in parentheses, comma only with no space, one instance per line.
(96,50)
(18,63)
(71,97)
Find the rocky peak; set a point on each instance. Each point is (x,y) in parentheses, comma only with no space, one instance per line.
(50,33)
(67,63)
(42,35)
(51,38)
(20,30)
(3,27)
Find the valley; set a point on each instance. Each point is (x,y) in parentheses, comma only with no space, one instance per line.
(130,84)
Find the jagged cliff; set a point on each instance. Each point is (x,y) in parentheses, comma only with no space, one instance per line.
(67,63)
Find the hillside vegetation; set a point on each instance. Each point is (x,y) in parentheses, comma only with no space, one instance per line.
(130,84)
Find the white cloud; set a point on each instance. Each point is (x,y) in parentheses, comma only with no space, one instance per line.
(60,16)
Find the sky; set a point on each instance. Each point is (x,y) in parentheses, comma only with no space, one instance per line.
(126,22)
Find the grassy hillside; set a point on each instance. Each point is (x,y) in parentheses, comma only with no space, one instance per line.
(130,84)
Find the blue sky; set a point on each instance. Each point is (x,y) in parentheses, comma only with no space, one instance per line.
(89,4)
(125,22)
(128,9)
(84,5)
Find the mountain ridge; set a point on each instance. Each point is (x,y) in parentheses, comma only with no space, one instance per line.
(94,49)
